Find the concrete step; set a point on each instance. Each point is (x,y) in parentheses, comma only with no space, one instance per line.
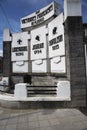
(41,90)
(42,95)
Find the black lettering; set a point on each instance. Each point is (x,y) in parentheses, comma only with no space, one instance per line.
(40,20)
(60,38)
(56,40)
(33,23)
(42,14)
(55,47)
(29,19)
(34,52)
(37,51)
(20,54)
(17,49)
(38,46)
(39,15)
(40,51)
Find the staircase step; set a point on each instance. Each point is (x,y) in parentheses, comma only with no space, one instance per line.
(49,86)
(41,95)
(40,88)
(42,91)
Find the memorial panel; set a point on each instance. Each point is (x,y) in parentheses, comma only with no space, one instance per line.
(20,47)
(19,52)
(38,43)
(39,50)
(56,37)
(56,45)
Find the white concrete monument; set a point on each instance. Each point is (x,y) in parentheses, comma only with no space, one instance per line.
(39,49)
(20,90)
(41,15)
(63,89)
(19,52)
(57,45)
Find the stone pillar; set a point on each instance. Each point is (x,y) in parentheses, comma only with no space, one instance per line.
(75,53)
(7,67)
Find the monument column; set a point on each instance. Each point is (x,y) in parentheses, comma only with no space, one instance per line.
(75,53)
(7,53)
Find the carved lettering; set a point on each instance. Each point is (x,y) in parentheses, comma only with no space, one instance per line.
(39,17)
(56,40)
(38,46)
(17,49)
(19,54)
(37,51)
(55,47)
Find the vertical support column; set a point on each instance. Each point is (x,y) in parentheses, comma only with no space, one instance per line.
(75,53)
(6,59)
(7,67)
(48,60)
(30,63)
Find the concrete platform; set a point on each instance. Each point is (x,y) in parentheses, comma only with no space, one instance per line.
(9,101)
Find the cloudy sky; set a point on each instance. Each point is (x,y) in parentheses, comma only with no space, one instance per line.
(12,10)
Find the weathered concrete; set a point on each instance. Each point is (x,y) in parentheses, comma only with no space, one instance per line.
(75,60)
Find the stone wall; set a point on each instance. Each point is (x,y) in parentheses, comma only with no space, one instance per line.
(7,67)
(75,60)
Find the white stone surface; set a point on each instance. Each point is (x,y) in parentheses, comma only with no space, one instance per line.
(58,23)
(7,35)
(23,36)
(20,67)
(39,66)
(1,88)
(20,90)
(58,65)
(57,55)
(39,50)
(10,97)
(72,8)
(63,89)
(34,17)
(20,52)
(38,45)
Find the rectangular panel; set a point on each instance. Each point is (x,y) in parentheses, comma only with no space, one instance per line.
(56,37)
(38,43)
(39,66)
(40,15)
(20,67)
(19,47)
(58,65)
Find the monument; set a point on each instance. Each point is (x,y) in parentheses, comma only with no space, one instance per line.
(49,52)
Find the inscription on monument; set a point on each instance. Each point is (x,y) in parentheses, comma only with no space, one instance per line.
(36,47)
(19,51)
(38,16)
(54,42)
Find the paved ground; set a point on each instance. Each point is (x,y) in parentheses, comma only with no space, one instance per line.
(43,119)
